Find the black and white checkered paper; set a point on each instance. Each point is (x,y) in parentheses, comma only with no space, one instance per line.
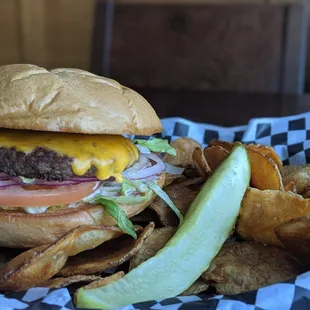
(290,136)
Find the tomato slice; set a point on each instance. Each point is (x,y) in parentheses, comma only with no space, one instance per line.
(17,196)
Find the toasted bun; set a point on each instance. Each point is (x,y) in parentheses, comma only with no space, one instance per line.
(71,100)
(20,230)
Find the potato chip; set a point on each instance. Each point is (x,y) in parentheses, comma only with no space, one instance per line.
(108,255)
(295,235)
(156,241)
(99,283)
(289,169)
(262,149)
(265,173)
(196,288)
(245,266)
(37,265)
(171,178)
(215,155)
(63,282)
(299,175)
(267,151)
(184,148)
(182,197)
(290,187)
(262,211)
(228,146)
(306,195)
(201,164)
(191,182)
(191,173)
(104,281)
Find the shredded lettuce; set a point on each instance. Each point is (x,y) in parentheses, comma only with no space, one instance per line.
(127,187)
(122,221)
(140,186)
(157,145)
(130,200)
(159,192)
(111,204)
(127,191)
(27,180)
(132,186)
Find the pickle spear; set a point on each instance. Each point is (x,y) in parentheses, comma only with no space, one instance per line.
(206,226)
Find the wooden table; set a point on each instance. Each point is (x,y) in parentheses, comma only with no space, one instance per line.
(226,109)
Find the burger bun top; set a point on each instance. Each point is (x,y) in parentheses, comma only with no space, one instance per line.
(71,100)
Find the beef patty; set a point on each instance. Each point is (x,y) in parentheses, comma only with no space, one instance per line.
(40,163)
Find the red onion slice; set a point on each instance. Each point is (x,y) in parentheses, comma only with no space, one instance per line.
(4,176)
(53,183)
(83,179)
(7,183)
(156,169)
(141,163)
(42,182)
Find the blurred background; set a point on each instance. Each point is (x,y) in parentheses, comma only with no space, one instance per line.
(220,61)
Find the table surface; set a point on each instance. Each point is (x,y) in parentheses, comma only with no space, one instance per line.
(225,109)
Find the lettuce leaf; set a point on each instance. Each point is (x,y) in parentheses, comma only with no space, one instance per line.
(122,221)
(157,145)
(159,192)
(130,186)
(130,200)
(127,196)
(127,187)
(27,180)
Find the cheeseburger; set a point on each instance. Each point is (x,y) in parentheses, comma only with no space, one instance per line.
(66,158)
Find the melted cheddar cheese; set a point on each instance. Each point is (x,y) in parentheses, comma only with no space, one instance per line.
(109,154)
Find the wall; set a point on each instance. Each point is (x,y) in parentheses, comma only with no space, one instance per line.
(208,1)
(55,33)
(46,32)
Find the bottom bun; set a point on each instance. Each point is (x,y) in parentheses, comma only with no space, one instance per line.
(21,230)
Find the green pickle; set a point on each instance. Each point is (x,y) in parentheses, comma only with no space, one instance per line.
(207,224)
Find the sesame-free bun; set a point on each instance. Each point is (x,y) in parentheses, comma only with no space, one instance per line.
(71,100)
(22,230)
